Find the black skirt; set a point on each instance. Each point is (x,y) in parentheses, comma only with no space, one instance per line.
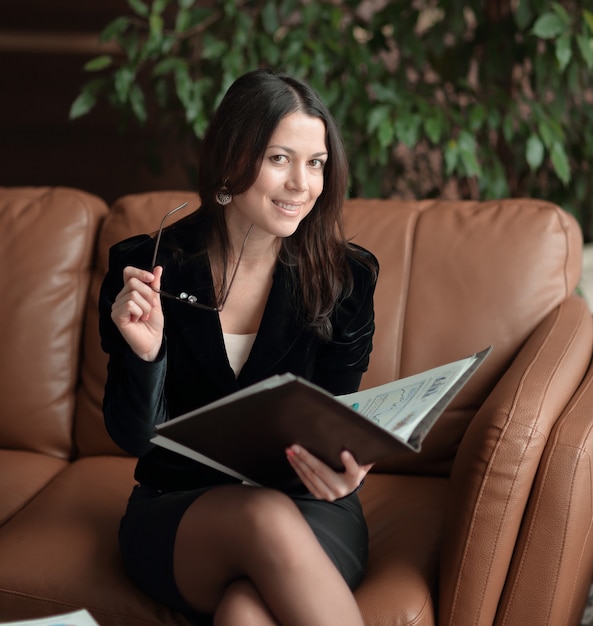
(148,529)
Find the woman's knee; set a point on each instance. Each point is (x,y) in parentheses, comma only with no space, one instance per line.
(242,605)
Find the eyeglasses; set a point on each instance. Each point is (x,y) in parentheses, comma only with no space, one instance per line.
(183,296)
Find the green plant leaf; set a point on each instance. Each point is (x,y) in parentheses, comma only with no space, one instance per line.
(534,152)
(550,132)
(508,126)
(494,118)
(433,127)
(98,63)
(548,26)
(213,48)
(377,115)
(199,126)
(159,6)
(467,153)
(269,17)
(493,181)
(183,84)
(386,133)
(123,81)
(588,15)
(563,50)
(83,103)
(138,104)
(131,45)
(183,20)
(155,23)
(114,29)
(585,45)
(560,162)
(169,65)
(451,156)
(523,15)
(385,93)
(407,127)
(477,116)
(562,13)
(140,8)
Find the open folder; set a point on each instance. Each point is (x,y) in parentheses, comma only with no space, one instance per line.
(246,433)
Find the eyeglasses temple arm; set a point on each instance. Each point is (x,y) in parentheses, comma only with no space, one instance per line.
(158,238)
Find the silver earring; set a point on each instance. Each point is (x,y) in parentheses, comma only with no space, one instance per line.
(223,197)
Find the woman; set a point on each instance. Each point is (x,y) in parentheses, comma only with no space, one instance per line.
(258,281)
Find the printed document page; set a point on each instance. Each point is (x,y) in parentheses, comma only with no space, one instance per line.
(401,405)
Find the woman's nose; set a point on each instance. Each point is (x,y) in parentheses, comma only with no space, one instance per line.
(298,178)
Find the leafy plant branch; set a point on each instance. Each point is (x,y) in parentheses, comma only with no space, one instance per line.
(476,99)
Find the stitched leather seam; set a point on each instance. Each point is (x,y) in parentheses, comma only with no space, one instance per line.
(491,462)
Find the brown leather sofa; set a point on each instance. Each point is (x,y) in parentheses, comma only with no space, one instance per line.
(490,524)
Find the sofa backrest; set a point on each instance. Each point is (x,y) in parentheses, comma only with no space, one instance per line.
(47,244)
(455,277)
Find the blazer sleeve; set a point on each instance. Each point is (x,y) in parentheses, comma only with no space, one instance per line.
(342,360)
(134,400)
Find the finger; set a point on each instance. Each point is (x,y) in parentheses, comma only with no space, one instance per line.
(130,307)
(319,478)
(352,467)
(142,285)
(144,276)
(139,280)
(157,273)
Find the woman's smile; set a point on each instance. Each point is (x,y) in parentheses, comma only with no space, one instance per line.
(290,208)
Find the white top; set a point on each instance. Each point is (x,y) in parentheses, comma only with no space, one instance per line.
(238,348)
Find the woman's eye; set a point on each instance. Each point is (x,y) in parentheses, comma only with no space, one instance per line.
(317,163)
(279,158)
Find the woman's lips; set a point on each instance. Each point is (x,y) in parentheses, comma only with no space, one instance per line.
(288,207)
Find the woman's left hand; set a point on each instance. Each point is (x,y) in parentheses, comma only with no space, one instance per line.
(320,479)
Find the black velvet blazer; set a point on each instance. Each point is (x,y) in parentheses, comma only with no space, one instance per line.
(192,368)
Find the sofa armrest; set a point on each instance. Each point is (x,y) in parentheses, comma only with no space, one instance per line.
(498,458)
(556,539)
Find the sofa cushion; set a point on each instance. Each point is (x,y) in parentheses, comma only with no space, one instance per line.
(23,475)
(46,249)
(60,552)
(405,518)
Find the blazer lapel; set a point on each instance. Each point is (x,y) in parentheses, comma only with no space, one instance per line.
(279,330)
(200,329)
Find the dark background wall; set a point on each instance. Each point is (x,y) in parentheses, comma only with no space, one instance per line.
(43,47)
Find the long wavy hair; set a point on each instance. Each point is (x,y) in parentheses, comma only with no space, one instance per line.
(231,156)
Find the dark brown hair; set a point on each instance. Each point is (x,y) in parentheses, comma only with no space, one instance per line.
(231,156)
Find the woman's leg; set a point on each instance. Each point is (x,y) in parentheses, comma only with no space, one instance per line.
(242,605)
(256,535)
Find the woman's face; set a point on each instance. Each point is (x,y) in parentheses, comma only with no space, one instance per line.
(289,181)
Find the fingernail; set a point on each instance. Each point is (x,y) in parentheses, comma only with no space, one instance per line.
(289,453)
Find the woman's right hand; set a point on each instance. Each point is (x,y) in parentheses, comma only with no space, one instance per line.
(137,311)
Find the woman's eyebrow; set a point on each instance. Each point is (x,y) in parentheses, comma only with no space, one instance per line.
(291,151)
